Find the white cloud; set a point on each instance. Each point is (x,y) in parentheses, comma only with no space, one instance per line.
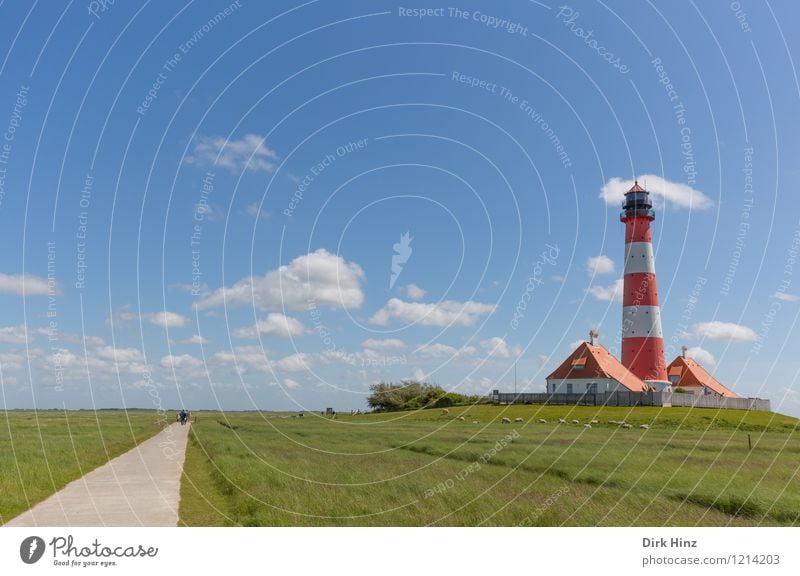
(250,152)
(197,339)
(440,314)
(497,346)
(439,350)
(702,356)
(418,375)
(14,334)
(608,293)
(245,358)
(275,324)
(118,355)
(291,384)
(542,359)
(208,212)
(100,361)
(672,194)
(783,296)
(415,292)
(167,319)
(27,285)
(599,265)
(254,211)
(295,363)
(722,332)
(385,344)
(184,361)
(320,277)
(164,319)
(575,344)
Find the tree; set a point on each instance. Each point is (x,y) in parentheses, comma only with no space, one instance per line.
(405,394)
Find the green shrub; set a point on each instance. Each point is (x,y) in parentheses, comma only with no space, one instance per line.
(448,399)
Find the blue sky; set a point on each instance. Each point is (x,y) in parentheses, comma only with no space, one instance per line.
(204,204)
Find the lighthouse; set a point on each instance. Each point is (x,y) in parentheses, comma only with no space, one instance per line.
(591,369)
(642,338)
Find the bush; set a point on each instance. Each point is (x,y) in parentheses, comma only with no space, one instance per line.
(448,399)
(410,394)
(387,397)
(680,390)
(426,399)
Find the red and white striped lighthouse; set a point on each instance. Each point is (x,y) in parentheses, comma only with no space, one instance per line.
(642,338)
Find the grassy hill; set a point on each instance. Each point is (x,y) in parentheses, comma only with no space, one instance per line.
(692,467)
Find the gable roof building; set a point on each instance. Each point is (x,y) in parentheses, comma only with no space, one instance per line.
(593,369)
(686,373)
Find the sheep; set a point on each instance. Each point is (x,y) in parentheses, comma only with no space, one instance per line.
(506,420)
(589,426)
(626,426)
(575,422)
(613,422)
(474,421)
(519,420)
(594,421)
(622,423)
(445,411)
(542,421)
(562,421)
(644,426)
(461,418)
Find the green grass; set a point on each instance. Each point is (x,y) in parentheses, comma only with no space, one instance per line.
(693,467)
(42,451)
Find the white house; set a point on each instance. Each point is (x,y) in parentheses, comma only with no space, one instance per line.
(593,369)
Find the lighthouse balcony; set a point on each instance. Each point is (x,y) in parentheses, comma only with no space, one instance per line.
(634,212)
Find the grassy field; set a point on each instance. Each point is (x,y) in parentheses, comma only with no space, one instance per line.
(693,467)
(41,452)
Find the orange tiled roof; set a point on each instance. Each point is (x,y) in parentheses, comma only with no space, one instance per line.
(597,362)
(692,374)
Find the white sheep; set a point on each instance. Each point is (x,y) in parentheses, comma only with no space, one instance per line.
(445,411)
(644,426)
(613,422)
(587,426)
(622,423)
(594,421)
(626,426)
(519,420)
(474,421)
(575,422)
(461,418)
(542,421)
(562,421)
(506,420)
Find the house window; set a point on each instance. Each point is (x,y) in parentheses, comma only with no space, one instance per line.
(591,388)
(579,363)
(569,388)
